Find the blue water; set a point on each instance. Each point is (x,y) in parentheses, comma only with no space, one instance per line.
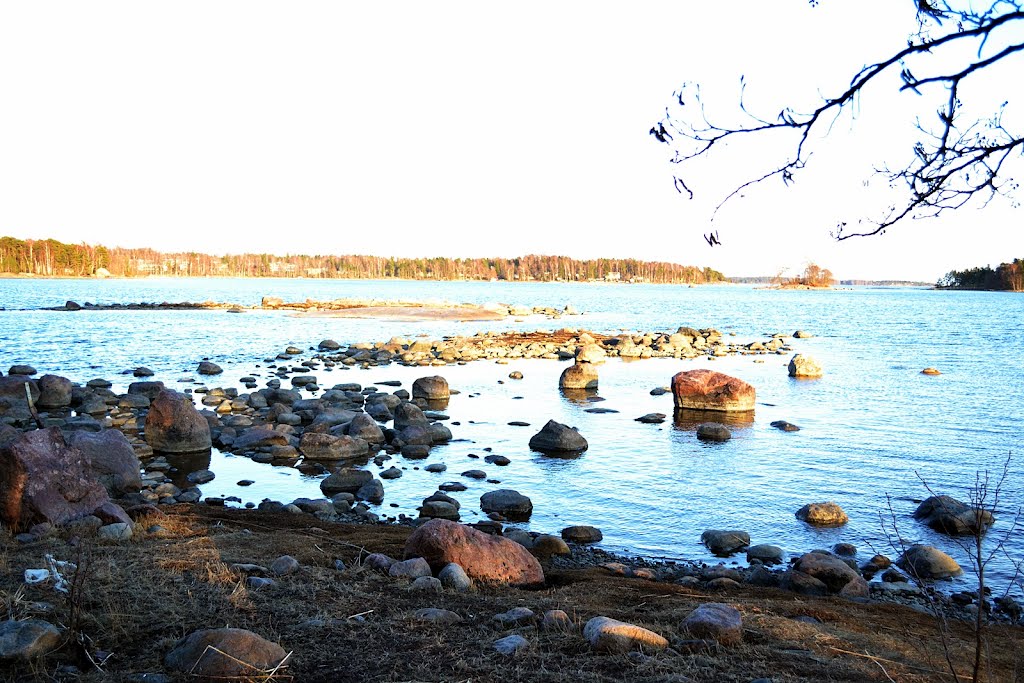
(874,429)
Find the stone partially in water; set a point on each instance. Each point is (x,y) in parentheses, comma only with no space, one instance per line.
(509,503)
(822,514)
(951,516)
(804,366)
(713,431)
(724,543)
(173,425)
(710,390)
(556,438)
(579,376)
(926,562)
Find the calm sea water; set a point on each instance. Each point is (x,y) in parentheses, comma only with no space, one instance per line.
(874,429)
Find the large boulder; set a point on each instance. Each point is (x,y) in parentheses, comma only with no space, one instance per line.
(578,376)
(822,514)
(951,516)
(225,653)
(804,366)
(111,458)
(54,392)
(725,542)
(557,438)
(431,388)
(43,479)
(366,428)
(714,621)
(508,503)
(484,557)
(926,562)
(316,446)
(590,353)
(710,390)
(148,389)
(407,414)
(173,425)
(12,388)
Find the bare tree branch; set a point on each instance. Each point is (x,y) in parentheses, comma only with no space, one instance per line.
(954,161)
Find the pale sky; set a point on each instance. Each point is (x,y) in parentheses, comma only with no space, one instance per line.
(453,129)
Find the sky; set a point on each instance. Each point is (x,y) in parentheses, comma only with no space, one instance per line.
(460,129)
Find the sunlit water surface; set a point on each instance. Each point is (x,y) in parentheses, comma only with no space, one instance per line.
(873,429)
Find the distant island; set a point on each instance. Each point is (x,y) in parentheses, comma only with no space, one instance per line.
(1007,277)
(50,258)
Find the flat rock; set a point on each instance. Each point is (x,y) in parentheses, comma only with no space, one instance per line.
(433,615)
(582,534)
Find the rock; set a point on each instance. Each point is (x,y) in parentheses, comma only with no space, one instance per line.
(378,562)
(454,576)
(117,532)
(801,334)
(284,565)
(366,428)
(510,645)
(547,545)
(801,583)
(440,509)
(173,425)
(372,491)
(931,371)
(724,543)
(22,370)
(208,368)
(436,467)
(926,562)
(259,437)
(578,376)
(804,366)
(499,460)
(483,557)
(829,569)
(822,514)
(715,621)
(345,480)
(609,635)
(436,616)
(508,503)
(652,418)
(148,389)
(44,479)
(28,639)
(328,345)
(111,459)
(407,414)
(427,583)
(224,653)
(515,374)
(201,477)
(764,553)
(142,371)
(316,446)
(582,534)
(557,438)
(951,516)
(517,616)
(713,431)
(54,392)
(431,388)
(391,473)
(785,426)
(710,390)
(590,353)
(410,569)
(556,620)
(12,388)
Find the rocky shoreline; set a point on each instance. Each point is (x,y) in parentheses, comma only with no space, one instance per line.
(115,454)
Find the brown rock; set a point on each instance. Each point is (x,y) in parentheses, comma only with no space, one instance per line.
(609,635)
(173,425)
(43,479)
(112,459)
(54,391)
(578,376)
(431,388)
(715,621)
(710,390)
(822,514)
(225,653)
(828,569)
(484,557)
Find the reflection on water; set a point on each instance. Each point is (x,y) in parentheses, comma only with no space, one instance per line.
(183,464)
(688,418)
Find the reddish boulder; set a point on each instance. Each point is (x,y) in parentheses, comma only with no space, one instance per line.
(43,479)
(484,557)
(225,653)
(173,425)
(112,459)
(710,390)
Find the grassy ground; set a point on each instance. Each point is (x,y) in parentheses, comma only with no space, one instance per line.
(134,600)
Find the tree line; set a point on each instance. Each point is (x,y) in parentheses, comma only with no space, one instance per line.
(1005,277)
(57,259)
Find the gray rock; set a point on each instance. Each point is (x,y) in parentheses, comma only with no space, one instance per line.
(431,388)
(715,621)
(516,616)
(557,438)
(510,645)
(28,639)
(713,431)
(509,503)
(54,392)
(119,531)
(724,543)
(391,473)
(345,481)
(436,616)
(201,476)
(582,534)
(556,620)
(764,553)
(208,368)
(951,516)
(284,565)
(410,569)
(427,583)
(372,491)
(453,576)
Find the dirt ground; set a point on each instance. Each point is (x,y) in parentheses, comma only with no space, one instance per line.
(133,600)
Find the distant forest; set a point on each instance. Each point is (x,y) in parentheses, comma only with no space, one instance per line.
(1006,277)
(51,258)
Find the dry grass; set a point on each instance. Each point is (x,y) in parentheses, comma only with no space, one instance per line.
(356,625)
